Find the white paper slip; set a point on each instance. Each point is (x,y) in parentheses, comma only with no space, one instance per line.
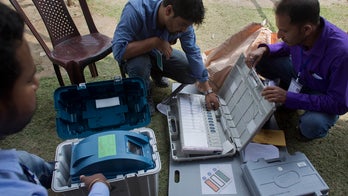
(255,151)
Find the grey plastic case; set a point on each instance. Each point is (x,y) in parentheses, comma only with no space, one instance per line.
(140,183)
(290,175)
(242,113)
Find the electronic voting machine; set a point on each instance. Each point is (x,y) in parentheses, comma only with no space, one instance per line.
(196,133)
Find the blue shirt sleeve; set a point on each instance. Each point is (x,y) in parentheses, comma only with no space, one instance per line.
(126,30)
(18,187)
(193,54)
(10,181)
(99,189)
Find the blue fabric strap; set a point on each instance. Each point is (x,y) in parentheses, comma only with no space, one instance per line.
(30,176)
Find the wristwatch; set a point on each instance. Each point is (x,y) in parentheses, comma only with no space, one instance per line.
(208,91)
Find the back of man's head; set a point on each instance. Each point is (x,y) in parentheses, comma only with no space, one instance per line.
(11,34)
(191,10)
(299,11)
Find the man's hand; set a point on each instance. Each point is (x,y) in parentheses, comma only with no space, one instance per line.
(212,101)
(90,180)
(274,94)
(255,56)
(164,47)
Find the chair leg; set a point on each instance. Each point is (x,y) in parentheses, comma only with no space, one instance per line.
(123,69)
(58,74)
(75,72)
(93,69)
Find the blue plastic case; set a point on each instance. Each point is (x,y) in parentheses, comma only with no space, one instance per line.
(91,108)
(103,114)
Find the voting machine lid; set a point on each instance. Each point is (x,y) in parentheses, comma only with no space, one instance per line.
(90,108)
(244,110)
(112,153)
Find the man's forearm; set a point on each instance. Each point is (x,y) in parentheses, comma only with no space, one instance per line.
(137,48)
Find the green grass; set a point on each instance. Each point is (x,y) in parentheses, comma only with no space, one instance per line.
(328,155)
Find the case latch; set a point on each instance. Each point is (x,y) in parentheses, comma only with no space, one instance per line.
(118,80)
(81,86)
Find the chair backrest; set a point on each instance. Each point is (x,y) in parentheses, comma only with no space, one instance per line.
(88,17)
(57,19)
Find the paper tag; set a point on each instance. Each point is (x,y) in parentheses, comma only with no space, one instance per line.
(106,145)
(301,164)
(158,56)
(108,102)
(295,86)
(255,151)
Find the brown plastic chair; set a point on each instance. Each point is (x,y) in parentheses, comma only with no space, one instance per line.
(71,50)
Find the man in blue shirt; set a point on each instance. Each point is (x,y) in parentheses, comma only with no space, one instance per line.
(143,38)
(22,173)
(311,63)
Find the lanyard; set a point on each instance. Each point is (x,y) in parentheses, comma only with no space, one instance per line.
(303,65)
(30,175)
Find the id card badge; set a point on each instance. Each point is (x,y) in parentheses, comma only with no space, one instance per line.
(295,86)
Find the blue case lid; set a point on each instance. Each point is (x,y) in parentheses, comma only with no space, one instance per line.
(95,107)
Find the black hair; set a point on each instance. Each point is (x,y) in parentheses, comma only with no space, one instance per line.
(11,35)
(299,11)
(191,10)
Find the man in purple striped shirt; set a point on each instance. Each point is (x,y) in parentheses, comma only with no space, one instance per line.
(311,63)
